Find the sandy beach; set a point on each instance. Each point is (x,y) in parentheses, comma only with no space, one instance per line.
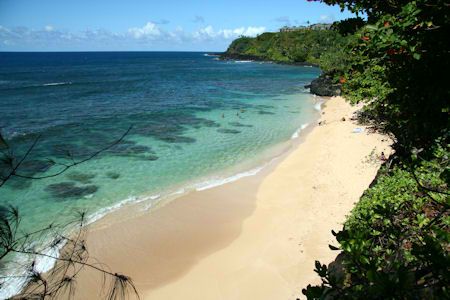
(256,238)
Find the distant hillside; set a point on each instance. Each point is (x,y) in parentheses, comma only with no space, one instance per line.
(302,45)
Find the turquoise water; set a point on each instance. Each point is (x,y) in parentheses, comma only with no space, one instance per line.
(197,122)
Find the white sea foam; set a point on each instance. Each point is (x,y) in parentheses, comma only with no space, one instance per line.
(318,105)
(243,61)
(179,192)
(44,263)
(12,285)
(221,181)
(297,132)
(104,211)
(56,83)
(17,279)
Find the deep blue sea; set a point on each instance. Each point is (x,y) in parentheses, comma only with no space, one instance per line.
(197,122)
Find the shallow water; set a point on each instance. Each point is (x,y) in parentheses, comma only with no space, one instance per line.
(196,123)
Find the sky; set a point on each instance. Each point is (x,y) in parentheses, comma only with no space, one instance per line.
(148,25)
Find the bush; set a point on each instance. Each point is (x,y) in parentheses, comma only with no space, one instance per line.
(395,243)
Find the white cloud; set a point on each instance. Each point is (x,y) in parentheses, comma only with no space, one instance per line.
(208,32)
(254,31)
(149,30)
(205,33)
(149,36)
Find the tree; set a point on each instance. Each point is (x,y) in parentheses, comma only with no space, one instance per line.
(394,245)
(69,251)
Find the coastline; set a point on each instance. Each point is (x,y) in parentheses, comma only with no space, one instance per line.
(255,237)
(236,57)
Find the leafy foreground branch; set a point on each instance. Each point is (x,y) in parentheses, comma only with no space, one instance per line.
(396,242)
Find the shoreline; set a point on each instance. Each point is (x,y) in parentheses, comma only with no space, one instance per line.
(145,204)
(257,166)
(255,237)
(237,57)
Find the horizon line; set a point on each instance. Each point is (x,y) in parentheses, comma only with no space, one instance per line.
(109,51)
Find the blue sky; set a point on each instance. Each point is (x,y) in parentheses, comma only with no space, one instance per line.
(198,25)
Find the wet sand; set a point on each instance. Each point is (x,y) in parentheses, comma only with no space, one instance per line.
(256,238)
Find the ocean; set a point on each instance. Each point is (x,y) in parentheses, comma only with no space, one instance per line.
(197,122)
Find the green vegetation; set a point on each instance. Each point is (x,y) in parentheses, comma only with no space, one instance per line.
(300,46)
(395,244)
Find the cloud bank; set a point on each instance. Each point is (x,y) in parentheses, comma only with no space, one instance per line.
(150,36)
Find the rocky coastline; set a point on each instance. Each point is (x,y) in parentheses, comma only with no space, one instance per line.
(321,86)
(228,56)
(324,86)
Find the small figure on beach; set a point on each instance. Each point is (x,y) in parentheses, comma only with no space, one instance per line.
(383,157)
(343,119)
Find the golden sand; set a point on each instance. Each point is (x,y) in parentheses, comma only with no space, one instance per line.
(256,238)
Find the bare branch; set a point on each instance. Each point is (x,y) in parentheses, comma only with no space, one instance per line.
(75,163)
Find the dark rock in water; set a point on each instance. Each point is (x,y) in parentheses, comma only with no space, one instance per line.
(231,131)
(263,112)
(170,127)
(31,167)
(19,183)
(139,149)
(113,175)
(66,190)
(4,211)
(238,56)
(74,150)
(81,177)
(129,148)
(265,106)
(27,168)
(178,139)
(150,157)
(5,167)
(127,142)
(237,124)
(324,86)
(206,123)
